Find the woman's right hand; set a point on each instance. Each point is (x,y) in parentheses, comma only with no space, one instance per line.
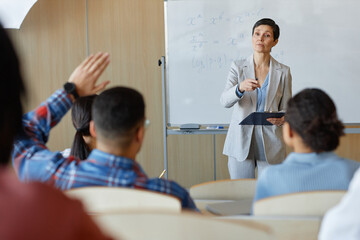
(248,85)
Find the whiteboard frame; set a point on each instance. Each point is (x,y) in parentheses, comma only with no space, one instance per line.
(172,131)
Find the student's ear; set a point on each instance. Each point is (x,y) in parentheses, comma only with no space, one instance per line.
(287,134)
(140,134)
(92,129)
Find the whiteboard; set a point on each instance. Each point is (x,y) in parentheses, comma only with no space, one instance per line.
(319,41)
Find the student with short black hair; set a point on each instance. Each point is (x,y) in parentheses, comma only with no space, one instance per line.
(119,114)
(118,126)
(313,130)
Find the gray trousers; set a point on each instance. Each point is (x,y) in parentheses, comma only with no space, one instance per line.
(256,158)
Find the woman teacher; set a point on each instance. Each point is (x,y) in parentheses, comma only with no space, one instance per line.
(256,84)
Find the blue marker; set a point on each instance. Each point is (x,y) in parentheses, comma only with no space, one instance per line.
(215,127)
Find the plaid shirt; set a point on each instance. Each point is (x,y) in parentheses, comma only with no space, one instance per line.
(34,161)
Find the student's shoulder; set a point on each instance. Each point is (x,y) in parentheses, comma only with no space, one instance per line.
(168,183)
(345,161)
(354,165)
(41,192)
(275,173)
(268,174)
(28,198)
(276,169)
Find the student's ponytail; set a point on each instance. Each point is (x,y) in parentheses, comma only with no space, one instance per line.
(81,117)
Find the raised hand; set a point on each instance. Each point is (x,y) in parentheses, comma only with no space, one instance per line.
(86,75)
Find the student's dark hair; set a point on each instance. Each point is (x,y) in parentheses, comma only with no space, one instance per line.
(117,112)
(312,114)
(11,91)
(269,22)
(81,117)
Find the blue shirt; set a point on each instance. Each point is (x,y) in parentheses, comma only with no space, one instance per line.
(34,161)
(261,94)
(302,172)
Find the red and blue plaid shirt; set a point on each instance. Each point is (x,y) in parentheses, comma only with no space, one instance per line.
(33,161)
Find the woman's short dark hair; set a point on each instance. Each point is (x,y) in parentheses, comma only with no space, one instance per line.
(81,117)
(312,114)
(11,91)
(269,22)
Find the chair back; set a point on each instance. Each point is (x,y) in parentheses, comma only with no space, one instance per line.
(284,227)
(100,200)
(315,203)
(224,190)
(163,226)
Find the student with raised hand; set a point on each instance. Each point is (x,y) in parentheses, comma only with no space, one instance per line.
(118,125)
(313,130)
(30,210)
(81,116)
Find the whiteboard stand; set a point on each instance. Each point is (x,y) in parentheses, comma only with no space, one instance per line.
(167,131)
(163,64)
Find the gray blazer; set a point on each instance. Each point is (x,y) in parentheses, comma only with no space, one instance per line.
(238,139)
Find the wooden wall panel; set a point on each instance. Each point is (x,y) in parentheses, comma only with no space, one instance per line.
(50,44)
(222,171)
(190,159)
(349,147)
(132,31)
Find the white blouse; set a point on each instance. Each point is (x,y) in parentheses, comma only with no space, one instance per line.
(343,221)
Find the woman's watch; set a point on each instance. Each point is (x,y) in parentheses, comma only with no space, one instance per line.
(70,88)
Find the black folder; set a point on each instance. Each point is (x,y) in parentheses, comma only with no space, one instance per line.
(259,118)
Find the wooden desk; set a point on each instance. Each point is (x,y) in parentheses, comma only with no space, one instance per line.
(224,207)
(284,228)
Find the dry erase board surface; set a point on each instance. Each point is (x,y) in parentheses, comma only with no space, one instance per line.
(319,41)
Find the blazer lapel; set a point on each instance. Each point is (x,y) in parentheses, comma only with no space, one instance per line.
(249,72)
(274,80)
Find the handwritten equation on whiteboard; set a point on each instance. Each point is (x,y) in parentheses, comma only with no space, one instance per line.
(213,40)
(239,18)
